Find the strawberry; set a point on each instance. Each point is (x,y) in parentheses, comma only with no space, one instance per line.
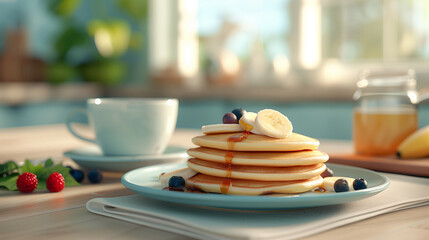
(27,182)
(55,182)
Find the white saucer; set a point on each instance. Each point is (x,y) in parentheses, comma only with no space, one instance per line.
(92,157)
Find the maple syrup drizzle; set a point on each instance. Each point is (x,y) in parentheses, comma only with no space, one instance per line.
(228,160)
(229,155)
(224,187)
(237,138)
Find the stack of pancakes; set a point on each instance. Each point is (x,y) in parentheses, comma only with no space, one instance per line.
(243,163)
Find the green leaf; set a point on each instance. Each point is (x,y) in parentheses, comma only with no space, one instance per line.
(69,180)
(42,171)
(7,168)
(9,182)
(41,185)
(29,167)
(49,163)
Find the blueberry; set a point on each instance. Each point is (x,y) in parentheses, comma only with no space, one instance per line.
(239,112)
(359,183)
(95,176)
(176,182)
(77,175)
(229,118)
(341,185)
(327,173)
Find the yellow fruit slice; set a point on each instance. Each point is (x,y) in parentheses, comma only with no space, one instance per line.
(416,145)
(274,124)
(329,182)
(185,173)
(247,122)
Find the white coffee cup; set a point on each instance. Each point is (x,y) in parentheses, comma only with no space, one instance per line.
(130,126)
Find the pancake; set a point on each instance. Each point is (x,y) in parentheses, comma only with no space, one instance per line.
(251,187)
(259,173)
(254,142)
(269,159)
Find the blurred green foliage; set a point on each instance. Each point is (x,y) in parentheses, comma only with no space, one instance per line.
(70,37)
(107,72)
(64,8)
(117,32)
(135,8)
(60,72)
(102,41)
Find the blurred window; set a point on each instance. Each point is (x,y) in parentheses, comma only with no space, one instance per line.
(325,42)
(247,22)
(375,29)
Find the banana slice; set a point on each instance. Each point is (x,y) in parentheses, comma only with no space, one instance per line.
(247,122)
(329,184)
(185,173)
(221,128)
(273,124)
(416,145)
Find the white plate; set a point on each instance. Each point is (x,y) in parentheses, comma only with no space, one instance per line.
(92,157)
(144,181)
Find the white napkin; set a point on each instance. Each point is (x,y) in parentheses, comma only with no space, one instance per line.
(205,223)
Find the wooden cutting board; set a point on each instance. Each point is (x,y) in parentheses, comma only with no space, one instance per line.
(415,167)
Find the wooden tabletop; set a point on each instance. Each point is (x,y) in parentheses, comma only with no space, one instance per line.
(63,215)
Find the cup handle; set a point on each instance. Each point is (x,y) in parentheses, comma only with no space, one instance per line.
(72,131)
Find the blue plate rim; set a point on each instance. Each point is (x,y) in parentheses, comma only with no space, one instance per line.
(159,193)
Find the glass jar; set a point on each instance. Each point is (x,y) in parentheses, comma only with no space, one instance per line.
(385,112)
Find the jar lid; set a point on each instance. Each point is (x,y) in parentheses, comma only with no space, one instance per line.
(387,79)
(399,83)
